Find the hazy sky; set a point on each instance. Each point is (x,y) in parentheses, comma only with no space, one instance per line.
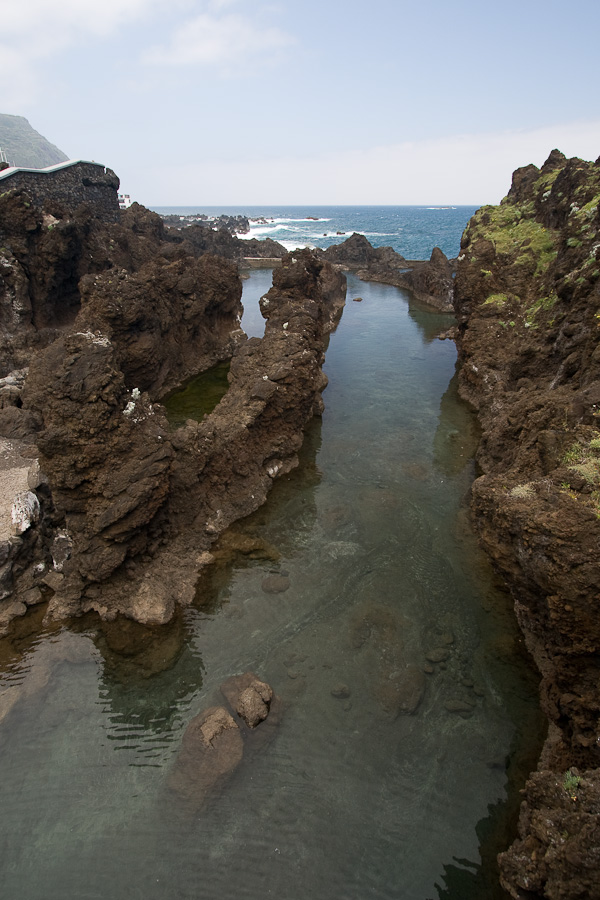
(319,101)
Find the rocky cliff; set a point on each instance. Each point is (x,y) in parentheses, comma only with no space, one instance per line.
(141,505)
(98,321)
(139,284)
(527,298)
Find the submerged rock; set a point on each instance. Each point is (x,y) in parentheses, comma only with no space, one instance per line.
(275,584)
(211,750)
(340,691)
(437,655)
(213,744)
(400,691)
(396,683)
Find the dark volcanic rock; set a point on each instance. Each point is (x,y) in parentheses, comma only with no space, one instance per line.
(556,854)
(167,321)
(197,240)
(433,283)
(107,455)
(43,260)
(141,505)
(232,224)
(111,316)
(355,252)
(527,295)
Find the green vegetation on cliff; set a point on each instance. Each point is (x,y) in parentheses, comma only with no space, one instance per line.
(537,247)
(24,146)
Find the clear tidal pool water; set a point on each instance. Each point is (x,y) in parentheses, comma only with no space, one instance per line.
(349,801)
(197,397)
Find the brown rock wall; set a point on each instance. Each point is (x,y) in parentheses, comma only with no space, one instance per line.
(527,296)
(143,505)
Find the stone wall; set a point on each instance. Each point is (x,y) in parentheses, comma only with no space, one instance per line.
(66,186)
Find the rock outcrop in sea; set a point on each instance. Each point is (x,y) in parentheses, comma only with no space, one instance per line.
(99,321)
(200,238)
(429,281)
(527,298)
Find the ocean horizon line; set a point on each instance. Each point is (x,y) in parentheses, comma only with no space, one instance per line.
(432,205)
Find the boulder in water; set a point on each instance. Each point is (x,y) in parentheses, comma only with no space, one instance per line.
(249,697)
(211,751)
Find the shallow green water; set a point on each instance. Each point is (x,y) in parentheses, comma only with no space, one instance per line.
(198,396)
(348,801)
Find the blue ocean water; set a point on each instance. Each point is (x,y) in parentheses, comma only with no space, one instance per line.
(412,231)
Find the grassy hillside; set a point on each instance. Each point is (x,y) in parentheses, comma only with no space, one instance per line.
(26,147)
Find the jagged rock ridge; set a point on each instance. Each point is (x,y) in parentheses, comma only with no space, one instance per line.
(99,320)
(143,505)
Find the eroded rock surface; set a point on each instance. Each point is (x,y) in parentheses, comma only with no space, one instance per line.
(556,854)
(141,505)
(45,254)
(107,455)
(168,320)
(98,321)
(527,297)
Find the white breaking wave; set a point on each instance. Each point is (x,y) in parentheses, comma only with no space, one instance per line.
(296,245)
(262,230)
(305,219)
(276,221)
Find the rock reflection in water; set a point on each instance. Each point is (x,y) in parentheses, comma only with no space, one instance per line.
(132,651)
(456,435)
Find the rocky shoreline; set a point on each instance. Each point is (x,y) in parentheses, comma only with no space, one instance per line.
(104,320)
(527,299)
(117,513)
